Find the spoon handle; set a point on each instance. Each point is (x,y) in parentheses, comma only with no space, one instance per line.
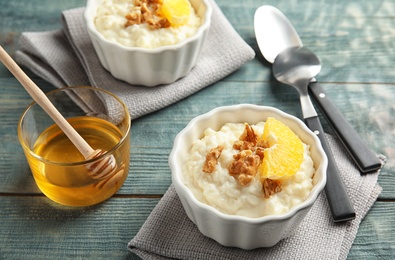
(338,200)
(366,160)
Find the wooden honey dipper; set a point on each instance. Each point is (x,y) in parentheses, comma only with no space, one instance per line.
(101,169)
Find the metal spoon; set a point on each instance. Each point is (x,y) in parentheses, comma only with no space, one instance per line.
(274,33)
(296,66)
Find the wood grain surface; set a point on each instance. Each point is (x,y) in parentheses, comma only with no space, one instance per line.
(355,41)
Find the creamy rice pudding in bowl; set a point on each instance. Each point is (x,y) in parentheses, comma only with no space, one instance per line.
(247,175)
(148,42)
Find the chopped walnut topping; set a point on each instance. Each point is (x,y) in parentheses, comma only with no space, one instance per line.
(249,140)
(270,187)
(262,144)
(212,159)
(242,145)
(146,11)
(260,152)
(249,135)
(244,166)
(133,18)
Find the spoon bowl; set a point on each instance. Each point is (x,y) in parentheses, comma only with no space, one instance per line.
(296,66)
(274,32)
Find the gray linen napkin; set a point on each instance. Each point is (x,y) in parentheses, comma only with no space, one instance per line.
(67,58)
(169,234)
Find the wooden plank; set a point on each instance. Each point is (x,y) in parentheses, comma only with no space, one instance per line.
(375,238)
(32,226)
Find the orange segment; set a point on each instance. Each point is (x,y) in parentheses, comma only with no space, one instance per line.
(285,153)
(177,12)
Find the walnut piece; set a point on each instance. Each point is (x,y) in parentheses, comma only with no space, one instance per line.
(212,159)
(270,187)
(249,140)
(146,11)
(249,134)
(244,167)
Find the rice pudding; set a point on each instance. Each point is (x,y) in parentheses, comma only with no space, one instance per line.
(140,23)
(220,188)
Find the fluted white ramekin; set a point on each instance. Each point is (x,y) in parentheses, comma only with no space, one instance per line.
(149,67)
(238,231)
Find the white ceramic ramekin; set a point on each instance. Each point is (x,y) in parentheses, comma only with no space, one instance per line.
(149,67)
(238,231)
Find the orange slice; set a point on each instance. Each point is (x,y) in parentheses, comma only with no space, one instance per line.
(177,12)
(285,153)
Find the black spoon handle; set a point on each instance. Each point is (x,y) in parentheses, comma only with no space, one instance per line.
(366,160)
(338,200)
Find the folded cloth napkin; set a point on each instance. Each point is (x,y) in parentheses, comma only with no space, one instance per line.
(67,58)
(169,234)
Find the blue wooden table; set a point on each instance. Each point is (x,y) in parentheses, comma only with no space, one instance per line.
(355,41)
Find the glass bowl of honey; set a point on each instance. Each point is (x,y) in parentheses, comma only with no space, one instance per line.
(61,172)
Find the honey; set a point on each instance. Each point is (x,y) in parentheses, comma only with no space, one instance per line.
(62,174)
